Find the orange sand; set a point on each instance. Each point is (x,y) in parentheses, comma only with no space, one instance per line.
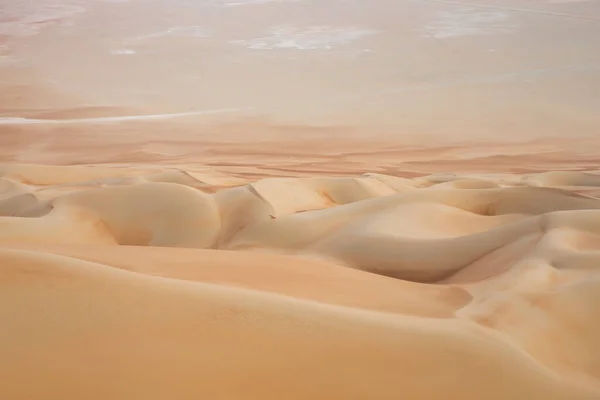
(409,218)
(153,283)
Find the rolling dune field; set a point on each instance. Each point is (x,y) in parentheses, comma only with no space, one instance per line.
(299,199)
(139,282)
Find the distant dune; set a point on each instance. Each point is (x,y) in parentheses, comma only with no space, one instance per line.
(299,200)
(84,112)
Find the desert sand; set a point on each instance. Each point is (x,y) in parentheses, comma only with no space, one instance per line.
(415,216)
(139,282)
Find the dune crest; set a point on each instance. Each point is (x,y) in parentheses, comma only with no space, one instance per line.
(371,286)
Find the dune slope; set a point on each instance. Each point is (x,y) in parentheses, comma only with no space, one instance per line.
(161,283)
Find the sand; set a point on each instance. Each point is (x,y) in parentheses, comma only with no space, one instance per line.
(149,282)
(415,215)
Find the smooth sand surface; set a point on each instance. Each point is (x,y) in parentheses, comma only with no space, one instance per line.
(480,67)
(271,199)
(149,282)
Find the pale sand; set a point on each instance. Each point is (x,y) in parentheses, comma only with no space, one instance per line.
(477,67)
(122,282)
(415,215)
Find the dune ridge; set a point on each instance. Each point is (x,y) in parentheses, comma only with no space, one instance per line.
(414,213)
(196,283)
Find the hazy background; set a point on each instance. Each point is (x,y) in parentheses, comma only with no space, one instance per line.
(494,67)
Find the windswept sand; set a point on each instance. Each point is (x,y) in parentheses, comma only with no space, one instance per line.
(299,200)
(153,282)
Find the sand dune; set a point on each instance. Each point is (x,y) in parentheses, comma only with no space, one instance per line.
(372,286)
(299,200)
(331,347)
